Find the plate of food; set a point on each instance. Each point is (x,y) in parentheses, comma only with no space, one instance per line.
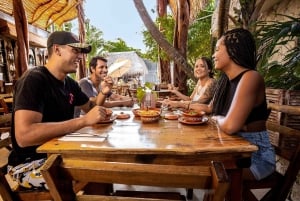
(185,121)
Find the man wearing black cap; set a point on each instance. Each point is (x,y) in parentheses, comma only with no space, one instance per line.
(43,108)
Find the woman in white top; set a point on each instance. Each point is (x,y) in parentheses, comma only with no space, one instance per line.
(204,89)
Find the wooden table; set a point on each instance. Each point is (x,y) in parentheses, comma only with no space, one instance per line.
(164,142)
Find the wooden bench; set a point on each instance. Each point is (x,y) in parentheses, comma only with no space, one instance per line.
(59,174)
(9,194)
(287,148)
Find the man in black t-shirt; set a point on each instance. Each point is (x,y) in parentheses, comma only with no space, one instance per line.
(43,107)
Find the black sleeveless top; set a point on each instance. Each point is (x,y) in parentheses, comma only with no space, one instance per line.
(260,112)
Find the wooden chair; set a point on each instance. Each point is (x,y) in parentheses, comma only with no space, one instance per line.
(3,106)
(9,194)
(5,121)
(59,174)
(280,183)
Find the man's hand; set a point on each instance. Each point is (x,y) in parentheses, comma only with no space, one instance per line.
(106,84)
(96,114)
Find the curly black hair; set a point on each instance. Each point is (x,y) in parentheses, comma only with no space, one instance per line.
(241,48)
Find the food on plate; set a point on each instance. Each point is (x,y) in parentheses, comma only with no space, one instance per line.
(192,116)
(192,113)
(149,113)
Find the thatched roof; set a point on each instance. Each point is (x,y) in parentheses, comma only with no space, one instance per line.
(138,64)
(43,13)
(195,7)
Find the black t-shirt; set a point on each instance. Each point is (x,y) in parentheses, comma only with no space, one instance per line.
(38,90)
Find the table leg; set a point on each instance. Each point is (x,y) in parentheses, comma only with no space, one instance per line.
(236,185)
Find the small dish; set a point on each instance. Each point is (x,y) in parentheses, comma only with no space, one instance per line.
(123,115)
(171,116)
(184,121)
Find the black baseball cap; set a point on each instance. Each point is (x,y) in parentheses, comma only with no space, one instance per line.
(67,38)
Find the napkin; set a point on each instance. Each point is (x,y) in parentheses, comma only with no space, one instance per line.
(86,137)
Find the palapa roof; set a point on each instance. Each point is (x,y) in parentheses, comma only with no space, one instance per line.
(195,7)
(138,65)
(43,13)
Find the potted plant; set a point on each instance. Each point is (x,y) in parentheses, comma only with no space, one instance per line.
(145,95)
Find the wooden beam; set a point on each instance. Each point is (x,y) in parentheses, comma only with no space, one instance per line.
(290,109)
(8,30)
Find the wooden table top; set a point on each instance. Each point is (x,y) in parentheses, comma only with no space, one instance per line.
(166,137)
(167,142)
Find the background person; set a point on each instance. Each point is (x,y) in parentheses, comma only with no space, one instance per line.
(204,89)
(91,85)
(43,107)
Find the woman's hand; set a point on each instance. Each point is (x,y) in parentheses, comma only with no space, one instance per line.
(172,89)
(169,103)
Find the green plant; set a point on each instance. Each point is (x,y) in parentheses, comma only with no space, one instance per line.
(141,91)
(271,37)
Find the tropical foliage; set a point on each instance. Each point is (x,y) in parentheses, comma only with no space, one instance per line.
(152,48)
(199,38)
(94,37)
(272,37)
(118,46)
(199,43)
